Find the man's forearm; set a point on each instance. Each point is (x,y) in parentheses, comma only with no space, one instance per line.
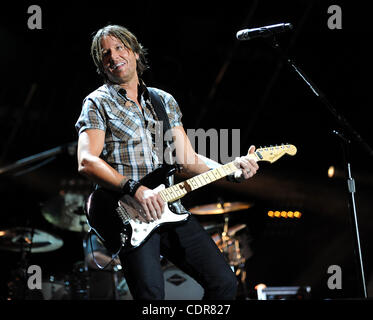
(100,172)
(200,165)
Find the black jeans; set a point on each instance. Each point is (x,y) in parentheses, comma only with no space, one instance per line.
(188,246)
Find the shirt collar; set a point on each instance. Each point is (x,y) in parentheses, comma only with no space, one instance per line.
(116,89)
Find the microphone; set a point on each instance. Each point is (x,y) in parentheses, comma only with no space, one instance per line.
(248,34)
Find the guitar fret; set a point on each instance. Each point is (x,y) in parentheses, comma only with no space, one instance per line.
(200,181)
(193,183)
(220,171)
(211,175)
(175,194)
(168,197)
(189,182)
(180,189)
(226,172)
(169,194)
(205,177)
(170,191)
(164,195)
(217,174)
(176,190)
(208,175)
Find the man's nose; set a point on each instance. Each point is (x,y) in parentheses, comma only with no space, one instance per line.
(113,56)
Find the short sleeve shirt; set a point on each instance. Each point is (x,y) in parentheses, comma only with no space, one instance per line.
(129,133)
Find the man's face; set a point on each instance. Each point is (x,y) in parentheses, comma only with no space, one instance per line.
(119,62)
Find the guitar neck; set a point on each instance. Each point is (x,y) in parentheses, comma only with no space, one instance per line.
(179,190)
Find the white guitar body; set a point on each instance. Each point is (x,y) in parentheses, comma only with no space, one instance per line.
(141,229)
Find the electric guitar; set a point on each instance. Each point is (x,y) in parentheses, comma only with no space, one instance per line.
(115,218)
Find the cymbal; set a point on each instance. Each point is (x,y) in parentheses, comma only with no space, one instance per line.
(218,208)
(18,238)
(66,211)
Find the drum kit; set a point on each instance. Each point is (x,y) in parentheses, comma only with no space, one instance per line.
(66,212)
(232,241)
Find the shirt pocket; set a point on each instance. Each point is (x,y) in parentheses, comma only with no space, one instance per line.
(123,126)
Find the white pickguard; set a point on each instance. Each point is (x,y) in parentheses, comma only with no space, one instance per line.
(140,229)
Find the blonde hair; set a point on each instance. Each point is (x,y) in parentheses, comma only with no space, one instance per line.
(129,41)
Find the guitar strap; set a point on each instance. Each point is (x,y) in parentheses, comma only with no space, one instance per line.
(162,115)
(159,109)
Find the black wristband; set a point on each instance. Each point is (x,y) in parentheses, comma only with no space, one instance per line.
(131,187)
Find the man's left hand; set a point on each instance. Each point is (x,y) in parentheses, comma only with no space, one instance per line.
(247,166)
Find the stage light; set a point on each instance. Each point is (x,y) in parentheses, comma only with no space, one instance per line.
(284,214)
(297,214)
(331,172)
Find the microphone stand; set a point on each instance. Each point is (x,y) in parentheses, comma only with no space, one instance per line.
(346,146)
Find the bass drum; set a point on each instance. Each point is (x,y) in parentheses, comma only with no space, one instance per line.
(180,286)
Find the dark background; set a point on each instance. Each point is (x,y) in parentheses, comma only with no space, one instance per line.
(219,83)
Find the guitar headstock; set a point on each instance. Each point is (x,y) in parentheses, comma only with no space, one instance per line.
(273,153)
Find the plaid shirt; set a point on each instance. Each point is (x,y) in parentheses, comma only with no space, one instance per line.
(129,133)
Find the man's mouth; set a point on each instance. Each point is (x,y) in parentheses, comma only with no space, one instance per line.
(118,65)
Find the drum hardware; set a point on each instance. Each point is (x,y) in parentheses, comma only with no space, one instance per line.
(233,246)
(226,240)
(79,281)
(26,241)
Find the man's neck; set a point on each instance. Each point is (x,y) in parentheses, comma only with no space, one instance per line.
(131,88)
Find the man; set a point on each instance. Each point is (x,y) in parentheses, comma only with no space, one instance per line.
(111,154)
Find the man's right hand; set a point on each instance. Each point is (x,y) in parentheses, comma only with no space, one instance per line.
(151,203)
